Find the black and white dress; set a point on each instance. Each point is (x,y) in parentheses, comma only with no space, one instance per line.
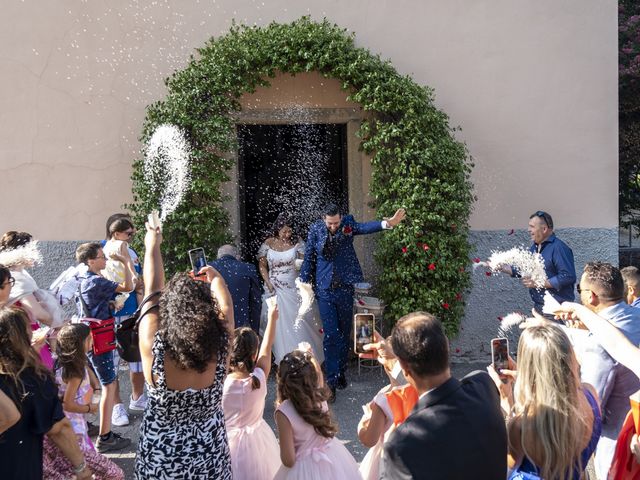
(183,432)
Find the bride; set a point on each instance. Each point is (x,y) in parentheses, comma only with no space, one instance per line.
(279,258)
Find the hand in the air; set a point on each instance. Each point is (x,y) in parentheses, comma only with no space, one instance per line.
(397,217)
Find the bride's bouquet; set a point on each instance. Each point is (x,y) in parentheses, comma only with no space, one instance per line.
(305,290)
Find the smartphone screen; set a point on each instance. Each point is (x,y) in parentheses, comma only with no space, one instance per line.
(500,353)
(197,259)
(363,327)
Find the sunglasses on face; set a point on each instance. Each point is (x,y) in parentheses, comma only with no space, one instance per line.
(10,281)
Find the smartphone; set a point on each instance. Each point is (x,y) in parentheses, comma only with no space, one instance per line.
(500,353)
(363,327)
(197,259)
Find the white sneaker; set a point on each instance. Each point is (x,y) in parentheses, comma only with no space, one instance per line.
(119,417)
(139,404)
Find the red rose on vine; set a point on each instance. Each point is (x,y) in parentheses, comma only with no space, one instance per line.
(432,266)
(445,306)
(425,247)
(404,249)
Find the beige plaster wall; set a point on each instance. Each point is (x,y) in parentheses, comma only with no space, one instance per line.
(533,85)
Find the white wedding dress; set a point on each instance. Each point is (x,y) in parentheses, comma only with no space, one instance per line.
(289,333)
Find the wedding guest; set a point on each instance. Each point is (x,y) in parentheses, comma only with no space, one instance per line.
(30,386)
(554,422)
(93,301)
(23,288)
(72,377)
(558,262)
(242,280)
(120,232)
(309,449)
(277,259)
(184,344)
(624,352)
(631,277)
(243,397)
(388,409)
(456,430)
(601,290)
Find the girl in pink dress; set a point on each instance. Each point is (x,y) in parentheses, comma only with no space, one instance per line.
(308,447)
(72,376)
(253,446)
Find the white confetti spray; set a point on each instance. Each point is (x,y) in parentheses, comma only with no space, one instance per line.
(167,166)
(528,264)
(24,256)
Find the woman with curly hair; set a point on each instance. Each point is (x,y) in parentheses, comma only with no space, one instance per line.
(184,343)
(554,421)
(308,447)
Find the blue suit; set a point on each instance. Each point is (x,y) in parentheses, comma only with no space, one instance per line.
(331,264)
(243,284)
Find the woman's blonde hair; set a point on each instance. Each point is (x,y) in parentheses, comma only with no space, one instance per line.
(546,396)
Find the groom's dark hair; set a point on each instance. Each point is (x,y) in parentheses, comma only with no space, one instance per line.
(330,210)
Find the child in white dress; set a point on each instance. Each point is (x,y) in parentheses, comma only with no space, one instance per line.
(252,444)
(308,447)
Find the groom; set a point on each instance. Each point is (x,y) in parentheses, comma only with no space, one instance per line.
(331,264)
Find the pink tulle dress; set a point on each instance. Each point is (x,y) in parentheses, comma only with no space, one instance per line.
(317,457)
(255,453)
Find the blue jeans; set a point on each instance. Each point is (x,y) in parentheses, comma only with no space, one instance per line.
(336,313)
(104,367)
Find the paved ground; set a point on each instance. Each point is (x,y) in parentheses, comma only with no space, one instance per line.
(347,409)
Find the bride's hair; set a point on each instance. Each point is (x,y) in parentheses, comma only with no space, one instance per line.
(283,220)
(243,353)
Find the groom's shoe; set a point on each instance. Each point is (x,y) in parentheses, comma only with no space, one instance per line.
(342,382)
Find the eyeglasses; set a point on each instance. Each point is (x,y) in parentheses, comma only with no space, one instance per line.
(10,281)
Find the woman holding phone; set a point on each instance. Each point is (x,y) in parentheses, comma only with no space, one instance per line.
(554,422)
(185,331)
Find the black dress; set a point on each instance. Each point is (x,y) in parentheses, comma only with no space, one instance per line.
(40,409)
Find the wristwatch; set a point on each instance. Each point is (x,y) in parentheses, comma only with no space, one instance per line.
(80,467)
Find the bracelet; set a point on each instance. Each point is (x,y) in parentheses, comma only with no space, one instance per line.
(80,467)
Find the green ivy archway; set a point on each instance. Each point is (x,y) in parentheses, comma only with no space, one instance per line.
(416,160)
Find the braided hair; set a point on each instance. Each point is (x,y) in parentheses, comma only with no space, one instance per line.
(243,353)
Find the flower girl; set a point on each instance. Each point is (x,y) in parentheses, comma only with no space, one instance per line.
(308,447)
(253,446)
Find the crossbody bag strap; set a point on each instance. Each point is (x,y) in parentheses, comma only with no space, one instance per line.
(146,300)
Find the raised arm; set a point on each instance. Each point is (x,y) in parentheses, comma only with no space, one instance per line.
(264,357)
(124,258)
(220,293)
(153,274)
(611,339)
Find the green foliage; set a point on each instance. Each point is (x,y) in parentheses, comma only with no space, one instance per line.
(417,162)
(629,112)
